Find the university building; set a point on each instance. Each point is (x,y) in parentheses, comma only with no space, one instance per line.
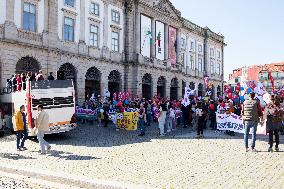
(142,46)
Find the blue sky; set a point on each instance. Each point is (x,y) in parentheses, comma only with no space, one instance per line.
(253,29)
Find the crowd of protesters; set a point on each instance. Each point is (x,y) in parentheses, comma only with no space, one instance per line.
(17,82)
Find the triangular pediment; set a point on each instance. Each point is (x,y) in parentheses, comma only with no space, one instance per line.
(165,6)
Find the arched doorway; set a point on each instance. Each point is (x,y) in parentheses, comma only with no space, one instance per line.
(200,89)
(147,86)
(27,64)
(161,87)
(67,71)
(114,80)
(183,87)
(92,82)
(174,89)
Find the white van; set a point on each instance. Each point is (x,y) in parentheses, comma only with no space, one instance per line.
(57,98)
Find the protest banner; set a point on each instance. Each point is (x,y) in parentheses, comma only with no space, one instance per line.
(86,113)
(233,122)
(127,121)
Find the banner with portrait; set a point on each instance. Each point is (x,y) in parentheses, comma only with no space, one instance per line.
(160,40)
(146,36)
(173,46)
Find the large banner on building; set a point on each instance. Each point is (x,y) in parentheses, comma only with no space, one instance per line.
(173,46)
(146,36)
(127,121)
(160,40)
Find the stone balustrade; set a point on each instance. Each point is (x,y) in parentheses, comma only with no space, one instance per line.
(30,36)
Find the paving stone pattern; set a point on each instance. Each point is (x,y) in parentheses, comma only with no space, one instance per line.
(175,161)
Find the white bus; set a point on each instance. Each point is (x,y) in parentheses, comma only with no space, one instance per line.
(57,98)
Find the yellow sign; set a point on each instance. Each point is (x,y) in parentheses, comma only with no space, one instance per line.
(127,121)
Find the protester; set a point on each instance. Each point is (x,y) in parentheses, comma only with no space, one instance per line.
(251,114)
(201,117)
(212,115)
(14,82)
(39,76)
(24,80)
(273,115)
(19,82)
(162,117)
(21,128)
(50,77)
(42,126)
(141,120)
(105,114)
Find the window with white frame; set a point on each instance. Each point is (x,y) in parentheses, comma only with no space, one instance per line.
(70,3)
(211,52)
(182,42)
(68,29)
(115,16)
(219,54)
(200,48)
(29,14)
(183,58)
(212,67)
(115,41)
(191,62)
(191,45)
(94,36)
(200,65)
(95,9)
(218,68)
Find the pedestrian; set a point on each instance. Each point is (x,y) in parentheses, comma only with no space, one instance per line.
(24,80)
(162,117)
(32,77)
(212,115)
(42,126)
(50,77)
(105,113)
(21,128)
(149,112)
(141,120)
(14,82)
(19,82)
(252,114)
(273,115)
(172,116)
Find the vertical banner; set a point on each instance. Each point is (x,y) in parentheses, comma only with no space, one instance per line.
(173,46)
(146,36)
(160,40)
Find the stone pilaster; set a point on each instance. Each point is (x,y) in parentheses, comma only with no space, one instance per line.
(137,34)
(10,7)
(154,85)
(206,62)
(82,21)
(167,44)
(153,46)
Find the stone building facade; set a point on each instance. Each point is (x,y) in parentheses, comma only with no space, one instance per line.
(97,43)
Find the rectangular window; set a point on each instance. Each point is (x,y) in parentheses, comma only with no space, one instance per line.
(211,52)
(192,62)
(200,65)
(68,29)
(183,42)
(95,9)
(29,17)
(219,55)
(115,41)
(115,16)
(94,35)
(218,67)
(212,67)
(70,3)
(192,45)
(200,48)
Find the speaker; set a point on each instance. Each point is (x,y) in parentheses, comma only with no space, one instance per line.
(60,75)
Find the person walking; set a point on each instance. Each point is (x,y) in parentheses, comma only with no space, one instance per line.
(251,114)
(273,115)
(42,126)
(21,128)
(39,76)
(162,117)
(201,117)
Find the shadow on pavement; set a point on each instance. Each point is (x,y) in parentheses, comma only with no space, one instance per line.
(14,156)
(69,156)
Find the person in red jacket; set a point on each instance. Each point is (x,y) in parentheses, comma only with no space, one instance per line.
(19,82)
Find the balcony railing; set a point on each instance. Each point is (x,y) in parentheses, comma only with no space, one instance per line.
(31,36)
(1,31)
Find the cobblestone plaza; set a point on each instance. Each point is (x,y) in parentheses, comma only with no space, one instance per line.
(100,157)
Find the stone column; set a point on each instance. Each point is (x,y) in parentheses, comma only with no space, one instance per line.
(153,46)
(46,16)
(105,25)
(178,47)
(82,21)
(206,54)
(80,89)
(154,85)
(167,44)
(10,30)
(168,88)
(137,34)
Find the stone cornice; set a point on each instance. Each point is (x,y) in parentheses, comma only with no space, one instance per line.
(69,12)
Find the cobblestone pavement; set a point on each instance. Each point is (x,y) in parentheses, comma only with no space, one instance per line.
(175,161)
